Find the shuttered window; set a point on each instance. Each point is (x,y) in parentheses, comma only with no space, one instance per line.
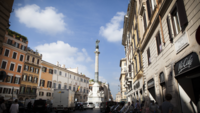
(27,58)
(148,56)
(19,68)
(158,42)
(14,55)
(12,65)
(21,57)
(6,52)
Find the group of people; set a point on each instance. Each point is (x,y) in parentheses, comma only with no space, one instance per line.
(152,107)
(14,108)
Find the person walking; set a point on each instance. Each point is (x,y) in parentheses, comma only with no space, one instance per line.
(166,106)
(153,108)
(137,106)
(146,108)
(2,106)
(14,107)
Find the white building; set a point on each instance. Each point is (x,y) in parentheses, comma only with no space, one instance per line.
(63,78)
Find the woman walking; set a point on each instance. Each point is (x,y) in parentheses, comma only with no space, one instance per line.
(14,107)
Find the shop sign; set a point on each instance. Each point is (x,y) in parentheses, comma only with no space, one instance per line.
(150,83)
(181,43)
(188,62)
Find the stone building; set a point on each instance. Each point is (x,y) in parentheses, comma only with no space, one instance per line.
(131,40)
(122,78)
(5,10)
(118,97)
(12,63)
(170,49)
(64,78)
(30,75)
(44,86)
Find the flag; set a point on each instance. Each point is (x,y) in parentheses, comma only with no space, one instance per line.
(78,88)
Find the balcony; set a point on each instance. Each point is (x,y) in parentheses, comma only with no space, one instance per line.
(27,94)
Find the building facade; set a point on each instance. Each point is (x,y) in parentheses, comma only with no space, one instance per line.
(170,49)
(6,9)
(12,63)
(122,78)
(131,40)
(64,78)
(118,97)
(30,75)
(44,86)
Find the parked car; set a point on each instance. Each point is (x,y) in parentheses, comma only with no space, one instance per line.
(40,106)
(89,105)
(106,106)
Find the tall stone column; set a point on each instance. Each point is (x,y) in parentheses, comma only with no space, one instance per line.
(96,65)
(96,78)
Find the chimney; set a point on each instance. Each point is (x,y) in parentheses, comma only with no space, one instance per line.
(57,64)
(63,66)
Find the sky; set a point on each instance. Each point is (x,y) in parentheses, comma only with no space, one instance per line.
(66,31)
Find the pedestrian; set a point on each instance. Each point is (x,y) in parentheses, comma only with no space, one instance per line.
(153,107)
(198,105)
(158,107)
(29,105)
(137,106)
(14,107)
(142,104)
(2,106)
(132,104)
(166,106)
(146,108)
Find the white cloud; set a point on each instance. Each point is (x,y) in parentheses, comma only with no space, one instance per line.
(19,4)
(66,54)
(102,79)
(44,20)
(113,31)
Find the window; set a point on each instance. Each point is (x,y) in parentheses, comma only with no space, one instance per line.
(27,58)
(38,61)
(60,73)
(150,7)
(6,91)
(55,71)
(42,82)
(21,57)
(33,91)
(49,84)
(22,89)
(70,87)
(19,68)
(22,47)
(136,64)
(148,56)
(33,59)
(28,90)
(65,86)
(30,78)
(35,79)
(9,42)
(51,71)
(16,81)
(37,70)
(74,77)
(6,52)
(144,21)
(138,39)
(24,77)
(158,42)
(44,69)
(41,93)
(54,85)
(14,55)
(9,79)
(48,94)
(65,74)
(26,67)
(32,69)
(16,44)
(73,88)
(12,65)
(59,86)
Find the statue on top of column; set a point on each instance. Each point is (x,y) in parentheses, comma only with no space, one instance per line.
(97,44)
